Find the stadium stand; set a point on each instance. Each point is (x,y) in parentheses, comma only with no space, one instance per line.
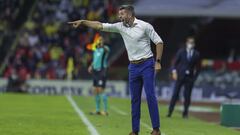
(46,42)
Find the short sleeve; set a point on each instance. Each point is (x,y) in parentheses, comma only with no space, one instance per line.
(108,27)
(153,34)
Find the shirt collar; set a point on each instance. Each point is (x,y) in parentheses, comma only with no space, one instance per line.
(135,22)
(190,50)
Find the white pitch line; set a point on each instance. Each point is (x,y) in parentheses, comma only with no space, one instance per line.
(90,127)
(117,110)
(146,125)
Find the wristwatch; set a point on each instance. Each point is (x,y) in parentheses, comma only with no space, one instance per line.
(158,60)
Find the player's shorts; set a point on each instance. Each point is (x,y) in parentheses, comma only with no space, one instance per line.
(99,78)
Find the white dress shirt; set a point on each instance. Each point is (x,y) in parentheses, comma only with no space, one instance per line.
(189,54)
(136,38)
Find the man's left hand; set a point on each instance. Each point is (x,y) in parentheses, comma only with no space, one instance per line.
(157,66)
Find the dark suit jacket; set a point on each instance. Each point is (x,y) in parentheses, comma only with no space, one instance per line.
(186,67)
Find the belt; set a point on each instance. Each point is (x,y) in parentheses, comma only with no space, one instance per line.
(139,61)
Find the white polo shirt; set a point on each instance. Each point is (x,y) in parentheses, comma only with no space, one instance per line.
(136,38)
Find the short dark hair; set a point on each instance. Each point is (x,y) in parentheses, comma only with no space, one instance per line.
(129,8)
(190,37)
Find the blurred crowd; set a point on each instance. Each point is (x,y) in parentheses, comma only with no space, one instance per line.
(220,73)
(9,10)
(47,42)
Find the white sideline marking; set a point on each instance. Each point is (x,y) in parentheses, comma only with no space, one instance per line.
(90,127)
(198,109)
(146,125)
(117,110)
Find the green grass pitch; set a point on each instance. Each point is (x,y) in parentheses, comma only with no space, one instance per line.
(53,115)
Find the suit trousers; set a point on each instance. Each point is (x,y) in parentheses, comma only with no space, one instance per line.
(187,82)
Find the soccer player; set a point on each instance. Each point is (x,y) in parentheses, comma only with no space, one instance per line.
(98,69)
(136,35)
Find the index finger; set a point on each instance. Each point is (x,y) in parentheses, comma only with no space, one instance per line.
(71,22)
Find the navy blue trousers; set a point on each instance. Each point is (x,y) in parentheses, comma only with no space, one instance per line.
(187,82)
(143,75)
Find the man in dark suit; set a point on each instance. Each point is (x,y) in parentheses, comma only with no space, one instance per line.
(185,71)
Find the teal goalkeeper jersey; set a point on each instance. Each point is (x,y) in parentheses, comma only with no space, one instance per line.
(100,58)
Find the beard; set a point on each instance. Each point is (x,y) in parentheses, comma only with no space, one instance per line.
(126,22)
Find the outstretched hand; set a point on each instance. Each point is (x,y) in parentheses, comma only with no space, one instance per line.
(75,24)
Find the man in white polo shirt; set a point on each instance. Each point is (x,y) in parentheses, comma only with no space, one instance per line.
(136,35)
